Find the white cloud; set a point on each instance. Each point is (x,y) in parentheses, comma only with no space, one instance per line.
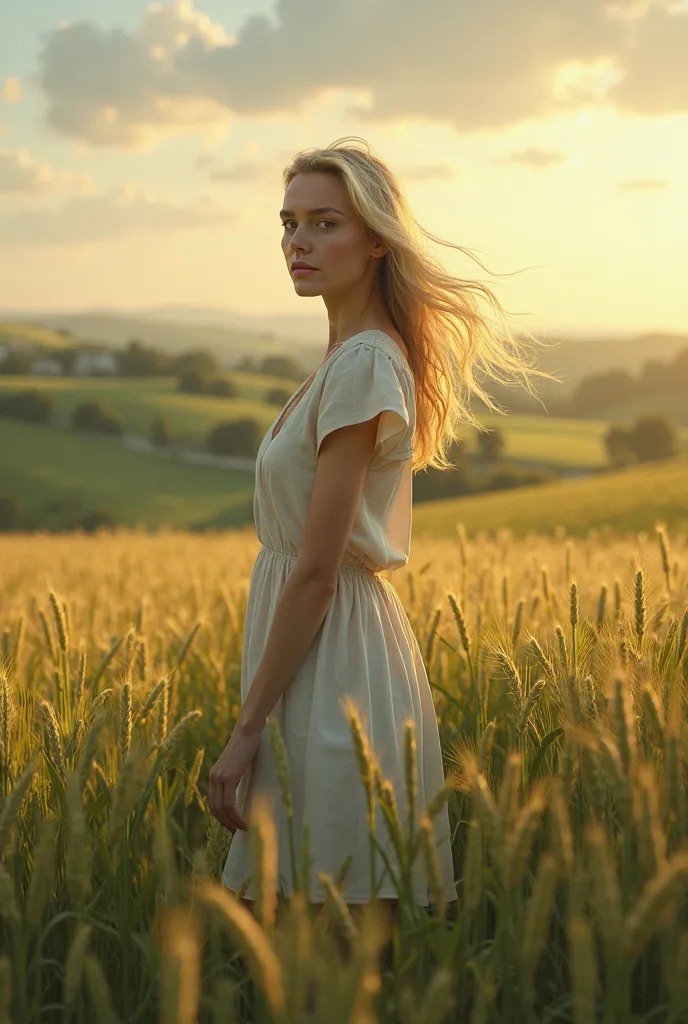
(123,211)
(20,173)
(475,66)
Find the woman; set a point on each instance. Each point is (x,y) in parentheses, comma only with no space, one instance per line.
(332,510)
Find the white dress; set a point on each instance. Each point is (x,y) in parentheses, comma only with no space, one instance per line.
(365,648)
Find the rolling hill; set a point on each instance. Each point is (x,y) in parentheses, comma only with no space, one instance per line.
(137,401)
(231,337)
(617,503)
(33,333)
(60,475)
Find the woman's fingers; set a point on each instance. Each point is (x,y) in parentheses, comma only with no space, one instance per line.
(230,808)
(222,805)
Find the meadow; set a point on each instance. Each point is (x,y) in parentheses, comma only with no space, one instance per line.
(614,503)
(73,473)
(560,675)
(137,401)
(548,440)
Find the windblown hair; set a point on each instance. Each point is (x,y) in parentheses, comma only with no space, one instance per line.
(448,338)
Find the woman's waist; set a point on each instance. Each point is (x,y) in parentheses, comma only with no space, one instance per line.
(350,561)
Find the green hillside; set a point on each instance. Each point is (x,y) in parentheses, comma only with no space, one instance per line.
(137,401)
(553,441)
(79,473)
(32,333)
(562,444)
(619,502)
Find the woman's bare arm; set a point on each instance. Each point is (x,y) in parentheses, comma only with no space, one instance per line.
(340,474)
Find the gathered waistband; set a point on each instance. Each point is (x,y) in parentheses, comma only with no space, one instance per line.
(348,562)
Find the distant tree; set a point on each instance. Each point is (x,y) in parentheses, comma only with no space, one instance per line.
(278,396)
(595,394)
(653,437)
(64,331)
(235,437)
(95,416)
(513,476)
(282,366)
(34,405)
(200,361)
(17,363)
(12,512)
(223,387)
(97,519)
(617,442)
(434,484)
(491,444)
(193,383)
(160,432)
(138,360)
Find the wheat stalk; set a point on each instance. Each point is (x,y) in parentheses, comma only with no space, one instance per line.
(538,914)
(11,806)
(655,904)
(76,961)
(264,964)
(263,841)
(584,971)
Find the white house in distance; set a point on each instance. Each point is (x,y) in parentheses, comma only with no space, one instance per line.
(95,364)
(47,366)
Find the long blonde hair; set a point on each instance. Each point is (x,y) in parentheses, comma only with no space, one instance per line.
(437,315)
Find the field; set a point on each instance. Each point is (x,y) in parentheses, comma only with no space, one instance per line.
(560,443)
(559,669)
(136,402)
(614,503)
(76,473)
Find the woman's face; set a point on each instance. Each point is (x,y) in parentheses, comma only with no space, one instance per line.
(334,241)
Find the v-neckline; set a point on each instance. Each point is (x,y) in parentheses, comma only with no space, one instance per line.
(276,422)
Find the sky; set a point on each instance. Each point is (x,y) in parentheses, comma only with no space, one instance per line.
(142,148)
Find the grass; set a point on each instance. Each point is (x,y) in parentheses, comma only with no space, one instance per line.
(559,672)
(619,502)
(84,472)
(560,443)
(137,401)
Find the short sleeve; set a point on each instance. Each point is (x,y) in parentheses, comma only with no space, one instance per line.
(362,382)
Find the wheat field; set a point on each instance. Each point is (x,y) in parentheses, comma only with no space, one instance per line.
(560,676)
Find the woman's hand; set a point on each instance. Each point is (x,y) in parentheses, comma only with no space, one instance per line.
(226,774)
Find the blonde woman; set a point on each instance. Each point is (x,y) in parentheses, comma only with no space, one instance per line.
(332,510)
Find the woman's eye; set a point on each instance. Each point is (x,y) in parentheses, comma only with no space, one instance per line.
(286,223)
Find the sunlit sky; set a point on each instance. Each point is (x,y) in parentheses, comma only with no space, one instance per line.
(141,147)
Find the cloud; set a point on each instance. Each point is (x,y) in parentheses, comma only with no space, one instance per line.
(123,211)
(655,62)
(643,185)
(20,173)
(474,66)
(11,91)
(112,89)
(533,156)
